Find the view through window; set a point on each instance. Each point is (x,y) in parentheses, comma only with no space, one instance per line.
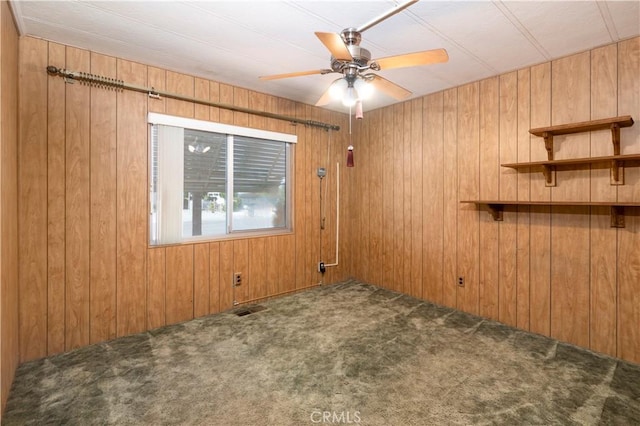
(208,184)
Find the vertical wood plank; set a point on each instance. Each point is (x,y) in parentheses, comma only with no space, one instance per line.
(629,103)
(103,204)
(131,202)
(241,265)
(257,268)
(226,275)
(508,191)
(313,191)
(346,243)
(355,177)
(179,285)
(489,190)
(433,197)
(398,197)
(257,102)
(570,265)
(201,280)
(629,238)
(156,292)
(240,99)
(201,91)
(468,244)
(362,223)
(523,227)
(9,290)
(180,84)
(78,223)
(417,206)
(376,223)
(540,234)
(56,220)
(214,96)
(298,200)
(310,209)
(157,80)
(604,104)
(273,276)
(288,274)
(214,278)
(407,271)
(388,187)
(628,331)
(603,238)
(450,158)
(32,190)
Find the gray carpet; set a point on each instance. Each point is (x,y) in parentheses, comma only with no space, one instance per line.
(348,353)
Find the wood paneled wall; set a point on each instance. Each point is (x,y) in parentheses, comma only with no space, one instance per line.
(87,273)
(9,356)
(561,272)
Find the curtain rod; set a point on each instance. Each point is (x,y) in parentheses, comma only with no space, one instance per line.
(106,82)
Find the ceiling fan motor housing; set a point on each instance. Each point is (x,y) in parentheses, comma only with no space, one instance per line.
(361,58)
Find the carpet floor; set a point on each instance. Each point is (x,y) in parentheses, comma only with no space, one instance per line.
(349,353)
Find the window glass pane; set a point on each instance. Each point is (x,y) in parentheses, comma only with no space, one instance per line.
(207,184)
(204,198)
(259,187)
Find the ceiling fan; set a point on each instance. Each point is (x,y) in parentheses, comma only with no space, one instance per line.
(355,65)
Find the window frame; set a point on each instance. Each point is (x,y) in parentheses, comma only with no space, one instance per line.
(289,140)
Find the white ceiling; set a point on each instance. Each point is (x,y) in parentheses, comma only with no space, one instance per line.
(234,42)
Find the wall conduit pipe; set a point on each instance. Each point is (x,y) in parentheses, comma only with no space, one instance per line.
(337,215)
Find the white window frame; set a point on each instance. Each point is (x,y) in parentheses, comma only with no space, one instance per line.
(229,130)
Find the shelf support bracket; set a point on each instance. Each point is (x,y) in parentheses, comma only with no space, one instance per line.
(617,217)
(548,144)
(617,173)
(495,210)
(615,138)
(549,173)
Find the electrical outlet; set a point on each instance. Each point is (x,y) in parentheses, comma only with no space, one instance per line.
(237,279)
(461,281)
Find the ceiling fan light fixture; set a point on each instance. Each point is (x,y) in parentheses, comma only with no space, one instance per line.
(364,88)
(350,97)
(338,88)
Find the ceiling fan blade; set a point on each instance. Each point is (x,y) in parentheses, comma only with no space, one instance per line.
(336,46)
(391,89)
(412,59)
(324,99)
(294,74)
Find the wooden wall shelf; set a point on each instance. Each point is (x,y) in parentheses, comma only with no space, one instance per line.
(496,207)
(548,168)
(614,123)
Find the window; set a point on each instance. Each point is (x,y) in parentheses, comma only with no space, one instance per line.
(210,180)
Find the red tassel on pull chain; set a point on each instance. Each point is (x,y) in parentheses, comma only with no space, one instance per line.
(350,156)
